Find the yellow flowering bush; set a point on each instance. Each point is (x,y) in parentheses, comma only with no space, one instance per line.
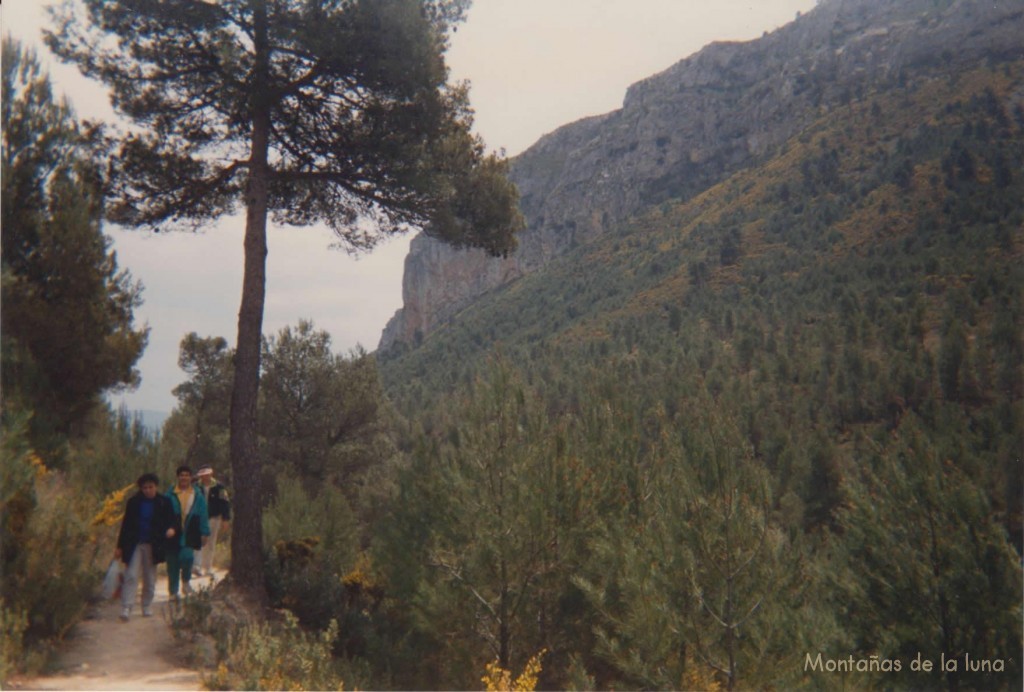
(700,678)
(497,679)
(47,572)
(112,510)
(359,576)
(38,465)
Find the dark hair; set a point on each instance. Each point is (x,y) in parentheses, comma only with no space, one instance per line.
(183,469)
(148,478)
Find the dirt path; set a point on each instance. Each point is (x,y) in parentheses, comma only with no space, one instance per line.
(104,653)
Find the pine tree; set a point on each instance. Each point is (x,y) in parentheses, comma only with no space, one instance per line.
(306,112)
(479,518)
(67,319)
(321,413)
(205,396)
(747,574)
(634,557)
(930,570)
(692,580)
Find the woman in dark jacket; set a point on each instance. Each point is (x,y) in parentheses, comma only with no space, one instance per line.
(147,526)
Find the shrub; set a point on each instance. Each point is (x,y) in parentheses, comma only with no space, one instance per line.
(497,679)
(50,542)
(55,573)
(295,515)
(12,631)
(261,656)
(47,548)
(298,580)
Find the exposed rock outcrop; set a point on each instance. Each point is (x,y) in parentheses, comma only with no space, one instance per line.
(438,282)
(695,123)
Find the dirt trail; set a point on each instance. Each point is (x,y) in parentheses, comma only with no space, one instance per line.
(104,653)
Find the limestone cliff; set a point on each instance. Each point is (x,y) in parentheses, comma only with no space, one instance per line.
(700,120)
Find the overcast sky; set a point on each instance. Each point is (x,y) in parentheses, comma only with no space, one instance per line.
(534,65)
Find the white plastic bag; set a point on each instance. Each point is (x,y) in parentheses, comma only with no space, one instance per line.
(113,580)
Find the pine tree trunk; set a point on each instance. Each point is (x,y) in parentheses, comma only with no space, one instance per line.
(246,472)
(504,631)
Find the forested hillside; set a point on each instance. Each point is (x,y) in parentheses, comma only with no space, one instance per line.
(727,107)
(761,429)
(781,417)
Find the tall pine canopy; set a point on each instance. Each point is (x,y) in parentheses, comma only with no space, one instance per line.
(67,320)
(335,112)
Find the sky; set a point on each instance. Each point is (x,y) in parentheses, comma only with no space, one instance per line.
(533,66)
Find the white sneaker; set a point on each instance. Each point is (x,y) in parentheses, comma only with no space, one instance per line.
(125,614)
(147,612)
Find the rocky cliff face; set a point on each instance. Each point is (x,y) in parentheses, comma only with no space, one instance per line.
(702,119)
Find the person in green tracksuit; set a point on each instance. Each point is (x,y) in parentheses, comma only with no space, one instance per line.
(191,515)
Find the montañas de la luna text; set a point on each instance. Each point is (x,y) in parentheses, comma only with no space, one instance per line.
(876,664)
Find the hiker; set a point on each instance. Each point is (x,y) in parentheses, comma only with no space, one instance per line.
(219,510)
(147,526)
(194,530)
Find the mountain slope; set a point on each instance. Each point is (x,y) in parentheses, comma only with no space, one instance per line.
(872,268)
(730,106)
(796,394)
(830,339)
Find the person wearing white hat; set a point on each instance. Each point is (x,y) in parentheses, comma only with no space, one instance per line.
(219,508)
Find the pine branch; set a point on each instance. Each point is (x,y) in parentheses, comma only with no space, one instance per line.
(457,575)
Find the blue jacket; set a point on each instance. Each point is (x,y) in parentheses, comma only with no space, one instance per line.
(196,524)
(128,536)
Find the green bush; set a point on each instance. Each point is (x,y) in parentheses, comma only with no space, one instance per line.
(54,531)
(299,581)
(55,573)
(12,632)
(295,515)
(262,656)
